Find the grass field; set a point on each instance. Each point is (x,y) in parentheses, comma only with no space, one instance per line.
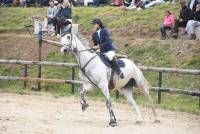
(136,34)
(113,17)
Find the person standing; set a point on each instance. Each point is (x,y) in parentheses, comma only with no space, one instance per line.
(51,12)
(63,15)
(49,20)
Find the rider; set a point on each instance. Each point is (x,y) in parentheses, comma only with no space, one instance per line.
(102,41)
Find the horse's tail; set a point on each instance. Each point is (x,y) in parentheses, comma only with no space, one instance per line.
(140,79)
(147,85)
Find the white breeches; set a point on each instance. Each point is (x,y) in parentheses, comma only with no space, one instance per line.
(110,55)
(191,26)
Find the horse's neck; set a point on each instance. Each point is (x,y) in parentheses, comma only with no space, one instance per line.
(81,55)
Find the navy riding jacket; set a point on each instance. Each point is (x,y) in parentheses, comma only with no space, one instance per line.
(105,42)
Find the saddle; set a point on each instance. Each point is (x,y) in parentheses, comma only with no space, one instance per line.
(107,62)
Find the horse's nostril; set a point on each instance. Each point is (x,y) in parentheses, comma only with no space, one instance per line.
(65,50)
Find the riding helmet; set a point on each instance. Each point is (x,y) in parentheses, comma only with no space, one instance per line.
(96,21)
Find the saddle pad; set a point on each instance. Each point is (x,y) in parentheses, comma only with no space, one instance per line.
(107,62)
(120,63)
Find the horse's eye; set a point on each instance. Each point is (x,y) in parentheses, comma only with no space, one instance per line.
(68,37)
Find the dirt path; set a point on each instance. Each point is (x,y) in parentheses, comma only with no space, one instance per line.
(29,114)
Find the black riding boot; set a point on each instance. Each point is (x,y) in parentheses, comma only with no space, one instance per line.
(117,68)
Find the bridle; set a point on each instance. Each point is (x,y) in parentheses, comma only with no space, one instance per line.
(70,45)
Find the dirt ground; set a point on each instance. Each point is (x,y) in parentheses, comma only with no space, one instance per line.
(32,114)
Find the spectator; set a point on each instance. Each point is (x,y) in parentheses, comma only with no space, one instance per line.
(51,12)
(55,4)
(167,24)
(134,4)
(126,3)
(63,14)
(88,2)
(150,3)
(153,3)
(192,5)
(65,11)
(57,7)
(27,3)
(184,16)
(192,24)
(97,3)
(7,2)
(49,21)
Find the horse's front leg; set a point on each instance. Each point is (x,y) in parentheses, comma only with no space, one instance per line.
(113,121)
(84,105)
(106,93)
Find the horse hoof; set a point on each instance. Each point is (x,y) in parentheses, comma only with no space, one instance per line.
(84,106)
(138,122)
(156,121)
(112,123)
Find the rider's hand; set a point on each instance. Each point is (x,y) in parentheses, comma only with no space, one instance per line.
(98,51)
(95,47)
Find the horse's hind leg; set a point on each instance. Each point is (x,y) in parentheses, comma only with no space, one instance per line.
(127,92)
(145,91)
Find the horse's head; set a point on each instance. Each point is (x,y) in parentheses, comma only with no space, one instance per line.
(68,44)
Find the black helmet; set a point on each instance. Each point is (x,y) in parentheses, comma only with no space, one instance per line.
(96,21)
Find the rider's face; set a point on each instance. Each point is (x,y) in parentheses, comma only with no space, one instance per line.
(96,26)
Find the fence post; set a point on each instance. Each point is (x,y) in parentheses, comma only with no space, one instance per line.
(73,78)
(39,57)
(159,85)
(25,74)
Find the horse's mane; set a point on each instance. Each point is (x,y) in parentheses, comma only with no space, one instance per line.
(83,40)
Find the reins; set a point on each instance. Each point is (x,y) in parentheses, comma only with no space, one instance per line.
(79,61)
